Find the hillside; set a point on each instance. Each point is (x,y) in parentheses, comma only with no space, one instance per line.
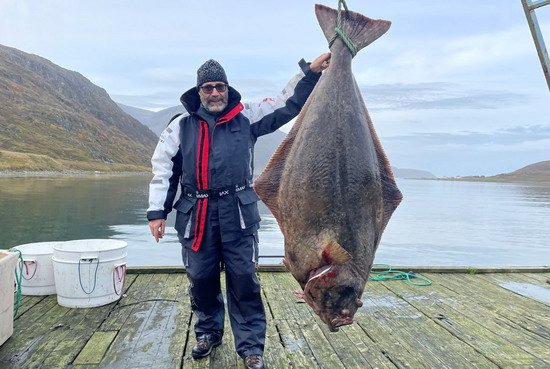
(535,173)
(155,121)
(51,111)
(539,172)
(411,173)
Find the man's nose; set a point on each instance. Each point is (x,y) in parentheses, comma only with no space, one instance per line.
(215,92)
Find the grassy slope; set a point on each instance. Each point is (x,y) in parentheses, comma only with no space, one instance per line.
(17,161)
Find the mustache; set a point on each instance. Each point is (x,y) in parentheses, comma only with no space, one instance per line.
(216,99)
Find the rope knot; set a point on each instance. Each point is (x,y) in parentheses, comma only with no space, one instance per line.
(339,32)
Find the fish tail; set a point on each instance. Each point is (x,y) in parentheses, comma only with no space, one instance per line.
(361,30)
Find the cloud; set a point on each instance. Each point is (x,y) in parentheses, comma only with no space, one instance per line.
(470,152)
(437,95)
(511,136)
(490,56)
(153,101)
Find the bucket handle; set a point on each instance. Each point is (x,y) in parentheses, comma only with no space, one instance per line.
(89,260)
(26,263)
(120,271)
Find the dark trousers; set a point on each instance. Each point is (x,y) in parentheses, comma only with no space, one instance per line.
(244,301)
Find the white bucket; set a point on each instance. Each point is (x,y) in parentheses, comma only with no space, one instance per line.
(8,262)
(37,278)
(89,273)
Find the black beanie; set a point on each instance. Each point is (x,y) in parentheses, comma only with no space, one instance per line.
(210,71)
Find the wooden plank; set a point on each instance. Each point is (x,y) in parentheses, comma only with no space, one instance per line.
(67,349)
(121,353)
(525,286)
(80,324)
(284,319)
(122,310)
(373,352)
(345,348)
(27,303)
(30,332)
(542,278)
(439,307)
(44,328)
(64,344)
(308,324)
(503,326)
(537,279)
(411,338)
(392,323)
(147,342)
(484,292)
(156,270)
(459,322)
(295,345)
(171,350)
(283,308)
(95,348)
(280,268)
(275,355)
(152,347)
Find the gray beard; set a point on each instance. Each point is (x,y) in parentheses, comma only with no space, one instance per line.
(214,109)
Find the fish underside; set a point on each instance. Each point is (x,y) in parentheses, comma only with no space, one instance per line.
(330,185)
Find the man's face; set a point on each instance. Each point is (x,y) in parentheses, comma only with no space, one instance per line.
(213,101)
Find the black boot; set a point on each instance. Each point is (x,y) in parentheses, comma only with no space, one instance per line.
(205,343)
(254,362)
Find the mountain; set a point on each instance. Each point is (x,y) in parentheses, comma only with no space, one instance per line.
(411,173)
(537,172)
(48,110)
(265,147)
(155,121)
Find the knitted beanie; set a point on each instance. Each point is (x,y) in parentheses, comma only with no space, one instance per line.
(210,71)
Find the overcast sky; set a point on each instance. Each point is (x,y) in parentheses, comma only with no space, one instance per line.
(455,87)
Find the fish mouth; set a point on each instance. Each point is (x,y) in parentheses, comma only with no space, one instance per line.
(336,323)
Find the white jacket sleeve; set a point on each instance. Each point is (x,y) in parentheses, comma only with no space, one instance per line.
(166,162)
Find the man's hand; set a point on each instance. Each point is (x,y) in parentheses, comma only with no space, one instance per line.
(157,227)
(321,63)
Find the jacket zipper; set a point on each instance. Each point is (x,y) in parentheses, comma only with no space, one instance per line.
(250,162)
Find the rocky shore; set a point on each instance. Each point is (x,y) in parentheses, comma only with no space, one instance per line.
(68,173)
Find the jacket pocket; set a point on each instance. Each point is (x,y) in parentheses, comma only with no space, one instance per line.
(184,217)
(248,208)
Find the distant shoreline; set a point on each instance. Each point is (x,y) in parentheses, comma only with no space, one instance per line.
(72,173)
(531,181)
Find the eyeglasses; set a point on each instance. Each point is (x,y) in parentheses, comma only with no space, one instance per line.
(208,89)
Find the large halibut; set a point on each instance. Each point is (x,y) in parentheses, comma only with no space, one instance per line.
(329,184)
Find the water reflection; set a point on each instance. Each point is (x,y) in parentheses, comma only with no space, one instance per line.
(50,209)
(438,223)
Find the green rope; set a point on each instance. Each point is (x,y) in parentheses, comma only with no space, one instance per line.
(390,274)
(339,32)
(18,278)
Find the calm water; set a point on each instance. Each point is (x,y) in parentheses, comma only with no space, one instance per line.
(438,223)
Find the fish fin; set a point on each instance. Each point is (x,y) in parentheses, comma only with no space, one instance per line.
(390,193)
(316,273)
(361,30)
(268,182)
(333,253)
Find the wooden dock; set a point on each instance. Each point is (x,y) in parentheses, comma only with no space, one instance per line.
(463,320)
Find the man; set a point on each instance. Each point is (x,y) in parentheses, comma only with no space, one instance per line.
(210,152)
